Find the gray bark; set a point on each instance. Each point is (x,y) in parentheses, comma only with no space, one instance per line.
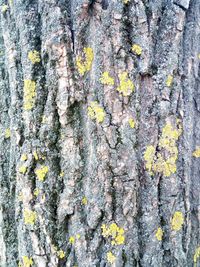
(101,162)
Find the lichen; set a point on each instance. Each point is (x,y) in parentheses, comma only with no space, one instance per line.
(115,233)
(196,256)
(35,155)
(30,216)
(22,169)
(36,192)
(177,221)
(85,65)
(4,8)
(164,161)
(126,86)
(196,153)
(34,56)
(131,123)
(107,79)
(7,133)
(29,94)
(137,49)
(71,240)
(96,112)
(110,257)
(159,234)
(169,80)
(24,157)
(41,172)
(84,201)
(26,262)
(61,254)
(62,174)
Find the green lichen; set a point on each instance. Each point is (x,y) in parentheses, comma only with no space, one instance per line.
(137,49)
(34,56)
(96,112)
(169,80)
(159,234)
(110,257)
(41,172)
(164,161)
(126,86)
(115,233)
(177,221)
(85,65)
(107,79)
(30,217)
(29,94)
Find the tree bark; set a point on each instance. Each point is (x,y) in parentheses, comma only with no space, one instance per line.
(76,187)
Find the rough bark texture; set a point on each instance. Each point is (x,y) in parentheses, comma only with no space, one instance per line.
(96,171)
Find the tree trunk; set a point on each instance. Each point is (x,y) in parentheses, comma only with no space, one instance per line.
(100,126)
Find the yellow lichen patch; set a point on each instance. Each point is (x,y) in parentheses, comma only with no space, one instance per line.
(114,232)
(96,112)
(71,240)
(78,236)
(84,65)
(196,256)
(111,257)
(34,56)
(159,234)
(41,172)
(165,161)
(7,133)
(177,221)
(196,153)
(131,123)
(24,157)
(4,8)
(35,155)
(10,2)
(20,196)
(26,262)
(29,94)
(36,192)
(149,157)
(137,49)
(84,201)
(22,169)
(169,80)
(126,86)
(30,216)
(61,254)
(107,79)
(61,174)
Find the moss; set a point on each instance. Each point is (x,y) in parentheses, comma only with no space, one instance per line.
(7,133)
(30,216)
(126,86)
(29,94)
(26,262)
(96,112)
(131,122)
(169,80)
(196,256)
(110,257)
(41,172)
(34,56)
(85,65)
(114,232)
(159,234)
(136,49)
(106,79)
(177,221)
(196,153)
